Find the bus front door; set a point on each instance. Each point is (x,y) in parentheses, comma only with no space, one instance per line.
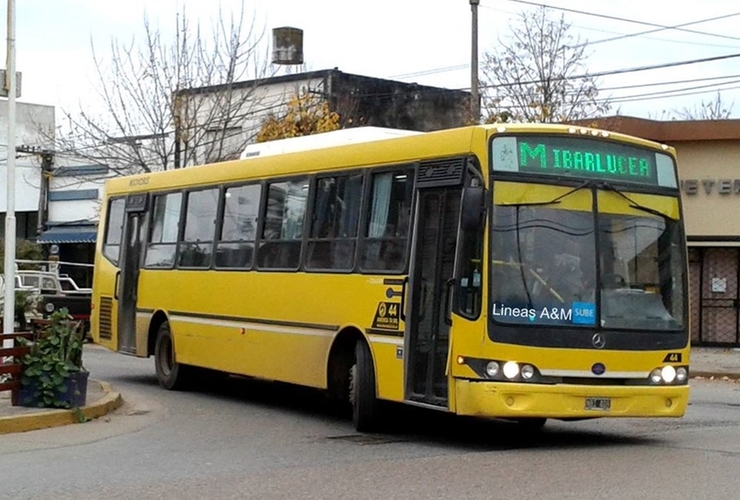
(430,283)
(128,281)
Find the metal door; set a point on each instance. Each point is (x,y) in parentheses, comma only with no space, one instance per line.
(430,285)
(128,277)
(720,297)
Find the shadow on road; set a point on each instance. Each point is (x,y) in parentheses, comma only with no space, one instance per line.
(402,423)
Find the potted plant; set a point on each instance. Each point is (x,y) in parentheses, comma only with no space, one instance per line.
(52,374)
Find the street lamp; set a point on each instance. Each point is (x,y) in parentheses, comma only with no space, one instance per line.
(474,96)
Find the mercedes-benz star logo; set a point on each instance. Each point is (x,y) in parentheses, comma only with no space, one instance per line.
(598,341)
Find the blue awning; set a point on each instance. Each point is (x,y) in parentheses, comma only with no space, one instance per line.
(69,234)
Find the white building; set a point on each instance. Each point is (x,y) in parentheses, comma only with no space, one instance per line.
(33,121)
(57,203)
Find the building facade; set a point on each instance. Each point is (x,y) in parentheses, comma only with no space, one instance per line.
(709,171)
(359,101)
(33,123)
(56,204)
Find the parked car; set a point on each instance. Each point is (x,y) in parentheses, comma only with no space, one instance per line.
(50,291)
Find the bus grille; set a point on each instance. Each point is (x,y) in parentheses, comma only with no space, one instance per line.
(447,172)
(104,313)
(594,381)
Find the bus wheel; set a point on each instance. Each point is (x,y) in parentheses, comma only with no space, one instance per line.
(362,390)
(170,374)
(531,423)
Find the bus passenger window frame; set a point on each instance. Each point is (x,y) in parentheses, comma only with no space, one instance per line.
(184,245)
(220,243)
(313,240)
(365,241)
(106,244)
(267,247)
(150,231)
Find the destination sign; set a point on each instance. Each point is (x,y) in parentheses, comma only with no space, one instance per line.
(582,157)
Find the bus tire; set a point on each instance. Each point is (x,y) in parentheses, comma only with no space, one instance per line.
(362,390)
(171,375)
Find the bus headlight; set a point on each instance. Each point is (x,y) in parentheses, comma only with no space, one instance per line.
(492,368)
(502,370)
(527,372)
(668,373)
(511,369)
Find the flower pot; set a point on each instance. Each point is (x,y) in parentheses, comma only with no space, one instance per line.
(73,393)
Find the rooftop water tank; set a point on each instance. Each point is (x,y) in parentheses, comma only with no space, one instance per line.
(287,45)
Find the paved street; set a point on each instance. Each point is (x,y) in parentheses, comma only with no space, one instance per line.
(261,440)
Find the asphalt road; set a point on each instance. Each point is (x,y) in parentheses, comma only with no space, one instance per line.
(253,439)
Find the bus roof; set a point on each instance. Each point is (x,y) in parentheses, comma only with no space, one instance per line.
(343,148)
(323,140)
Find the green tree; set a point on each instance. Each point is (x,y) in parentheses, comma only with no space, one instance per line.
(537,73)
(24,250)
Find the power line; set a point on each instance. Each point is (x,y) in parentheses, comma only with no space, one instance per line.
(460,67)
(626,35)
(626,70)
(664,28)
(700,89)
(673,82)
(622,19)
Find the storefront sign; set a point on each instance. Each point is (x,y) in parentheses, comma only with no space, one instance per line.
(710,186)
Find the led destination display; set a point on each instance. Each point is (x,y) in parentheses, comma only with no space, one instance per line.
(582,157)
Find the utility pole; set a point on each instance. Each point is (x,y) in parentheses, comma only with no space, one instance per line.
(47,161)
(474,95)
(10,84)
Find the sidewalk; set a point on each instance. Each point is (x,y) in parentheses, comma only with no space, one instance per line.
(101,399)
(706,363)
(717,362)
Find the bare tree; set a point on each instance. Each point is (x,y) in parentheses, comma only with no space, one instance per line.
(167,103)
(538,74)
(715,109)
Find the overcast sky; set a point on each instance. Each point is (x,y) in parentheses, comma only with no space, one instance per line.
(423,41)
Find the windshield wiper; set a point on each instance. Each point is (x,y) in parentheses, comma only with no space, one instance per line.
(633,204)
(554,201)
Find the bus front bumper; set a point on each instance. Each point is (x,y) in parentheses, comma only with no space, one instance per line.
(517,400)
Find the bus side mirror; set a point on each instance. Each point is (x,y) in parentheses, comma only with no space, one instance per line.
(473,208)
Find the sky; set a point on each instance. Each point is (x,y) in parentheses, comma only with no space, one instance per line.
(422,41)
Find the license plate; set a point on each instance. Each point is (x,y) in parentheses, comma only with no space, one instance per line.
(598,404)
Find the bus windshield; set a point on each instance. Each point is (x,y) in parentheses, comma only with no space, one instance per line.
(583,257)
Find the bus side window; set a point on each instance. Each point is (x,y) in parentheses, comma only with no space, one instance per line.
(235,247)
(162,243)
(386,234)
(200,222)
(114,230)
(282,234)
(336,212)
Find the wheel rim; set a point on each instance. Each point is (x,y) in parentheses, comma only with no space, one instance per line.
(165,356)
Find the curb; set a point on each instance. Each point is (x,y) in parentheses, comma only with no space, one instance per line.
(709,375)
(55,418)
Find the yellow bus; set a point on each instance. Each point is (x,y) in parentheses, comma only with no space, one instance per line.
(514,271)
